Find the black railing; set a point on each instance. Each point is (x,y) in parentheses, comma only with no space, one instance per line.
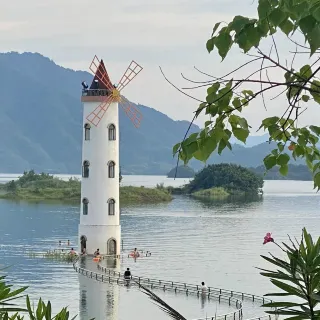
(95,92)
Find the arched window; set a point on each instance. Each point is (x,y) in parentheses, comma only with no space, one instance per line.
(111,169)
(112,132)
(85,169)
(85,206)
(111,207)
(87,131)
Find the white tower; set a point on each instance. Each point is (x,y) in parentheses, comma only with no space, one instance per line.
(100,214)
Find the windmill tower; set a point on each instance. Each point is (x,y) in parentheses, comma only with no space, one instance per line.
(100,215)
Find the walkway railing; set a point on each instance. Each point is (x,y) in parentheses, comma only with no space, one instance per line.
(233,298)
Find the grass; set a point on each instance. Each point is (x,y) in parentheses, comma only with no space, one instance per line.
(144,195)
(216,193)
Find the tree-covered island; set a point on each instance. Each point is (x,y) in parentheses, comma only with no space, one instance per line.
(224,180)
(43,186)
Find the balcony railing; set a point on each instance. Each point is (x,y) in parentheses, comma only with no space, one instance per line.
(95,92)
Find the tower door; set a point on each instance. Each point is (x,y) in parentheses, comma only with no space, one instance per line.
(112,247)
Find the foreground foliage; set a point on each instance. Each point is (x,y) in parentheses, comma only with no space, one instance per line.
(9,311)
(298,276)
(229,95)
(231,177)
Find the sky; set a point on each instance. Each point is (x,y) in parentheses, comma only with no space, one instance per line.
(167,33)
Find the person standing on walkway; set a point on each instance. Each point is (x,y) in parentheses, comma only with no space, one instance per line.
(204,288)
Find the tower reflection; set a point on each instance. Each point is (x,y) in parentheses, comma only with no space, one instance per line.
(98,300)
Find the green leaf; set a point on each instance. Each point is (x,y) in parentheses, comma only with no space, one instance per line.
(314,39)
(307,24)
(315,86)
(238,23)
(281,304)
(207,123)
(286,26)
(222,145)
(270,161)
(284,169)
(277,16)
(315,129)
(316,180)
(223,42)
(316,12)
(241,134)
(280,146)
(287,288)
(210,44)
(283,159)
(305,98)
(215,28)
(306,71)
(176,148)
(264,9)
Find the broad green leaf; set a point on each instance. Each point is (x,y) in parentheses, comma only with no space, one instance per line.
(264,9)
(270,161)
(207,123)
(223,42)
(191,148)
(280,146)
(238,23)
(210,44)
(213,88)
(277,16)
(270,121)
(283,159)
(315,129)
(241,134)
(222,145)
(316,12)
(284,169)
(314,39)
(286,26)
(307,24)
(306,71)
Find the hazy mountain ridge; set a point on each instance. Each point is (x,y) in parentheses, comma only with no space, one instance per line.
(41,124)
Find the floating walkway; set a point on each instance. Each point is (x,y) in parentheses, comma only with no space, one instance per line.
(232,298)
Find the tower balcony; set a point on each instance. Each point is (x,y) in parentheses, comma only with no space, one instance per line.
(93,95)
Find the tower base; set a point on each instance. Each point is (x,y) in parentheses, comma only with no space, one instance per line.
(105,238)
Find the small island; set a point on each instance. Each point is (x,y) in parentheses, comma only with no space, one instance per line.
(43,186)
(223,180)
(181,172)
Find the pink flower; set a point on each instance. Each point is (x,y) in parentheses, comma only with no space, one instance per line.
(268,238)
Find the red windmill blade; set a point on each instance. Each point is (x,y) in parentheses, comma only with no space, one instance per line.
(99,70)
(131,111)
(131,72)
(96,115)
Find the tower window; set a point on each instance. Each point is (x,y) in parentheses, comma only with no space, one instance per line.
(87,128)
(85,206)
(111,207)
(112,132)
(111,169)
(85,169)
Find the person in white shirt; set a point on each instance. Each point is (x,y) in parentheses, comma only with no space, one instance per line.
(204,288)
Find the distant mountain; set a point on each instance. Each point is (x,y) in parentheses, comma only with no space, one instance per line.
(252,140)
(41,124)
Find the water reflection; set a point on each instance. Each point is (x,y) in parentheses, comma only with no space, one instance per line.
(98,300)
(236,200)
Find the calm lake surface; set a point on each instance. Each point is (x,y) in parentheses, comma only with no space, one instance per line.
(191,241)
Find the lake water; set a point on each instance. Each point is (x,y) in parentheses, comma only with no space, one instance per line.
(190,240)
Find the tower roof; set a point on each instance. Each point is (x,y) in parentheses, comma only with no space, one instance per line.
(101,72)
